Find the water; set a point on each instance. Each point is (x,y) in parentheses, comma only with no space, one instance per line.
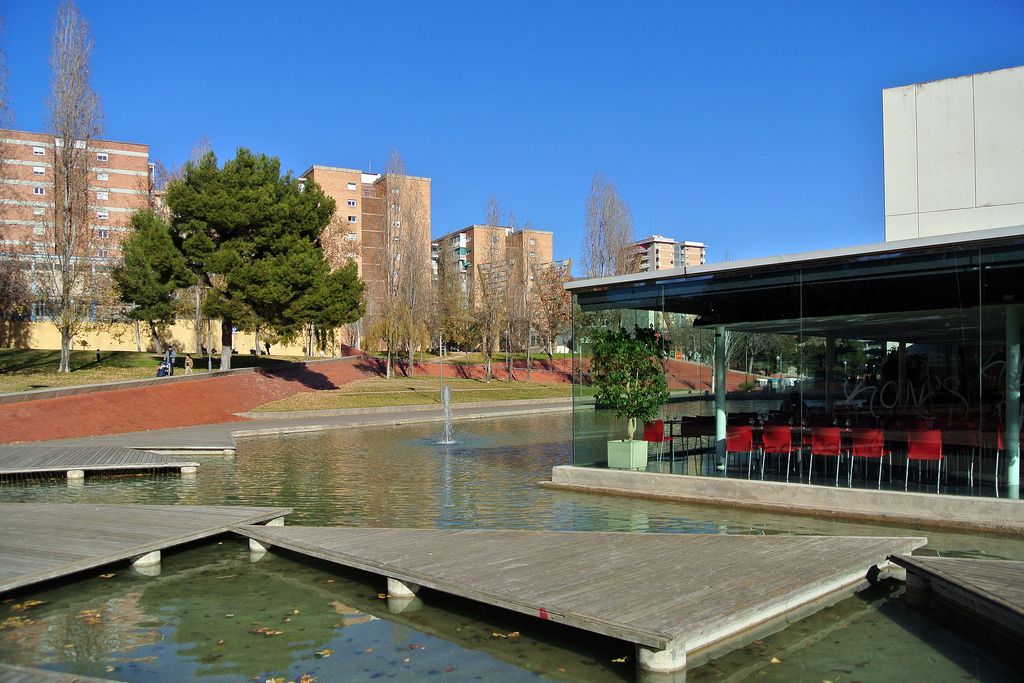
(193,621)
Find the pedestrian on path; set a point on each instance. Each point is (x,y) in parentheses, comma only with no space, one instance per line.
(174,359)
(188,364)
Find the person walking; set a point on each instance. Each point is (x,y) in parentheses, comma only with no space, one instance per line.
(174,359)
(188,364)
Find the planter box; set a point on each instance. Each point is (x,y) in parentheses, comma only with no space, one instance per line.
(627,455)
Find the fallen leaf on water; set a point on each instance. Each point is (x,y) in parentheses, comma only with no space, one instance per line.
(619,660)
(295,611)
(14,622)
(324,653)
(69,646)
(329,581)
(449,669)
(406,660)
(287,620)
(276,679)
(307,678)
(561,669)
(775,660)
(108,576)
(416,646)
(368,650)
(22,606)
(513,634)
(220,642)
(268,632)
(231,615)
(382,596)
(109,669)
(495,634)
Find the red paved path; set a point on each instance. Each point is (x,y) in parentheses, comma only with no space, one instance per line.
(218,399)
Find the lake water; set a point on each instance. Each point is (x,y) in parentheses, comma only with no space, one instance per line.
(195,621)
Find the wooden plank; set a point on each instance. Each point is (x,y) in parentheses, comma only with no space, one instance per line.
(649,589)
(39,542)
(37,459)
(991,590)
(10,673)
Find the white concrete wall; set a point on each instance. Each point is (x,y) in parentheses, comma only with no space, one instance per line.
(954,155)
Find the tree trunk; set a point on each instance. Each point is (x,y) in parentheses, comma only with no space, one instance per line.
(65,350)
(199,324)
(630,428)
(138,337)
(529,369)
(387,365)
(256,339)
(412,356)
(157,345)
(226,339)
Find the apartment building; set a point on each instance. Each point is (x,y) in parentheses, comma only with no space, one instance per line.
(374,210)
(657,252)
(481,245)
(120,177)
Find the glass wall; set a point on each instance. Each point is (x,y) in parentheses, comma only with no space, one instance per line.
(872,366)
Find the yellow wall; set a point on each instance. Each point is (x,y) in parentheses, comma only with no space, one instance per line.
(121,337)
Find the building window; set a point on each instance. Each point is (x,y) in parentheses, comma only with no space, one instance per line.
(38,170)
(396,224)
(350,237)
(102,195)
(38,151)
(352,202)
(533,242)
(79,144)
(352,219)
(102,176)
(39,191)
(104,233)
(103,253)
(395,206)
(102,215)
(351,186)
(101,156)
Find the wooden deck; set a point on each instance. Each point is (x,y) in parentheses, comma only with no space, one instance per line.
(10,673)
(33,459)
(656,590)
(39,542)
(989,590)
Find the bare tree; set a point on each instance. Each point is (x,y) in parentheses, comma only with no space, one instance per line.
(553,303)
(607,242)
(69,279)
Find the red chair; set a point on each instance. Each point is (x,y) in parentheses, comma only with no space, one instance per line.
(740,439)
(777,440)
(827,442)
(924,445)
(870,443)
(654,432)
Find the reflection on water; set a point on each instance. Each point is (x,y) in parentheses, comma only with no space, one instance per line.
(170,627)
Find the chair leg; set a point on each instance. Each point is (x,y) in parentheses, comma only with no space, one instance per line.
(764,455)
(881,462)
(838,458)
(750,456)
(938,475)
(906,478)
(789,454)
(810,467)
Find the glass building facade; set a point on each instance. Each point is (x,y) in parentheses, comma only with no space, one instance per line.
(866,356)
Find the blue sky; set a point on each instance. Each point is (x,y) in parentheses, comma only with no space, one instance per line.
(752,126)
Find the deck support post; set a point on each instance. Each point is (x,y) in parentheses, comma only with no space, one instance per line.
(667,660)
(404,605)
(258,547)
(919,590)
(720,382)
(399,589)
(276,521)
(76,474)
(147,560)
(1011,437)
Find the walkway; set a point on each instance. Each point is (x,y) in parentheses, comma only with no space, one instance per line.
(989,590)
(39,542)
(39,459)
(23,674)
(672,594)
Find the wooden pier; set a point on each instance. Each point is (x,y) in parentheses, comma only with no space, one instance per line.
(39,542)
(676,596)
(10,673)
(64,459)
(991,591)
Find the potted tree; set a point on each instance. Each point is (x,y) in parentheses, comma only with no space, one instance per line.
(627,373)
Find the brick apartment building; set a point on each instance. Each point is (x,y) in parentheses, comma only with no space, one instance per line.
(480,245)
(119,182)
(657,252)
(365,202)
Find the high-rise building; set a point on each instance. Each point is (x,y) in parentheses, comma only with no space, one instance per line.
(119,183)
(377,217)
(461,251)
(657,252)
(954,155)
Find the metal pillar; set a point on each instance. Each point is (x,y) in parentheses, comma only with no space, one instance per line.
(720,378)
(1011,436)
(830,361)
(901,377)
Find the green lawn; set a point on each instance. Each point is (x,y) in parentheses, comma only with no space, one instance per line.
(375,393)
(24,369)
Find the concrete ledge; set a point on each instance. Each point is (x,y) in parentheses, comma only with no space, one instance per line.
(57,392)
(886,507)
(341,412)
